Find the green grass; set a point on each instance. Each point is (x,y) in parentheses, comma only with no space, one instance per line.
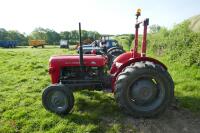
(125,41)
(24,75)
(187,82)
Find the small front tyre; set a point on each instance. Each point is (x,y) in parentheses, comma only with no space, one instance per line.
(58,99)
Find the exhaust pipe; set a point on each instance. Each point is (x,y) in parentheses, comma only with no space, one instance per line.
(80,49)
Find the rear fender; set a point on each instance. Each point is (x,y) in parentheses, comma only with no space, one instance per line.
(117,67)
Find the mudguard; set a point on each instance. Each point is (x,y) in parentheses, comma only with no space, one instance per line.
(125,60)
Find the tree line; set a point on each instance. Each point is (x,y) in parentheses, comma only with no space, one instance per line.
(50,36)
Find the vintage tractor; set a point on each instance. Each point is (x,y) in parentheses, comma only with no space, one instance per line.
(141,85)
(109,47)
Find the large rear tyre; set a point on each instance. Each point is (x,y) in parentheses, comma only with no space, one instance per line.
(112,53)
(58,99)
(144,89)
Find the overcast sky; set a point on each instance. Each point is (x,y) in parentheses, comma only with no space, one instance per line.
(104,16)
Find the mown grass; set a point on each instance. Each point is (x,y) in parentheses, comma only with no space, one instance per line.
(24,75)
(187,82)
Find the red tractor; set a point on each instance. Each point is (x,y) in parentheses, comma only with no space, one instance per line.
(141,85)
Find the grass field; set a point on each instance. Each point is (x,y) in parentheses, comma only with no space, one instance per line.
(24,75)
(187,83)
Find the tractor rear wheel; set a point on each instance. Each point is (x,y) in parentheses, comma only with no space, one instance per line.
(112,53)
(58,99)
(144,89)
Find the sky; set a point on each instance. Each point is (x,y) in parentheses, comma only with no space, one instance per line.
(104,16)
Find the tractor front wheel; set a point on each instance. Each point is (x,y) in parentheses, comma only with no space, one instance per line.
(144,89)
(58,99)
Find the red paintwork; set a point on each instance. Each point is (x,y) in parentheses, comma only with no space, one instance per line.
(144,43)
(122,61)
(128,58)
(125,60)
(135,49)
(58,62)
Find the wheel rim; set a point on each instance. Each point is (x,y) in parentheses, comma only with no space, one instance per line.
(146,93)
(57,101)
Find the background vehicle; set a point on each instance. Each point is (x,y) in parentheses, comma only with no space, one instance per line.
(64,44)
(8,44)
(37,43)
(109,47)
(95,45)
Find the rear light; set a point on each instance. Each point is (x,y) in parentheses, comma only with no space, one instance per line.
(51,70)
(93,51)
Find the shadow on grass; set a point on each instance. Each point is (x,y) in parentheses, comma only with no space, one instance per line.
(97,103)
(197,78)
(190,102)
(96,108)
(178,82)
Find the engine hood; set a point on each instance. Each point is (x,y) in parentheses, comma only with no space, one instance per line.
(74,60)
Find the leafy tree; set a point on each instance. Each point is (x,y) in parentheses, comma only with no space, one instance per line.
(180,43)
(50,36)
(13,36)
(73,36)
(38,33)
(65,35)
(3,34)
(155,28)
